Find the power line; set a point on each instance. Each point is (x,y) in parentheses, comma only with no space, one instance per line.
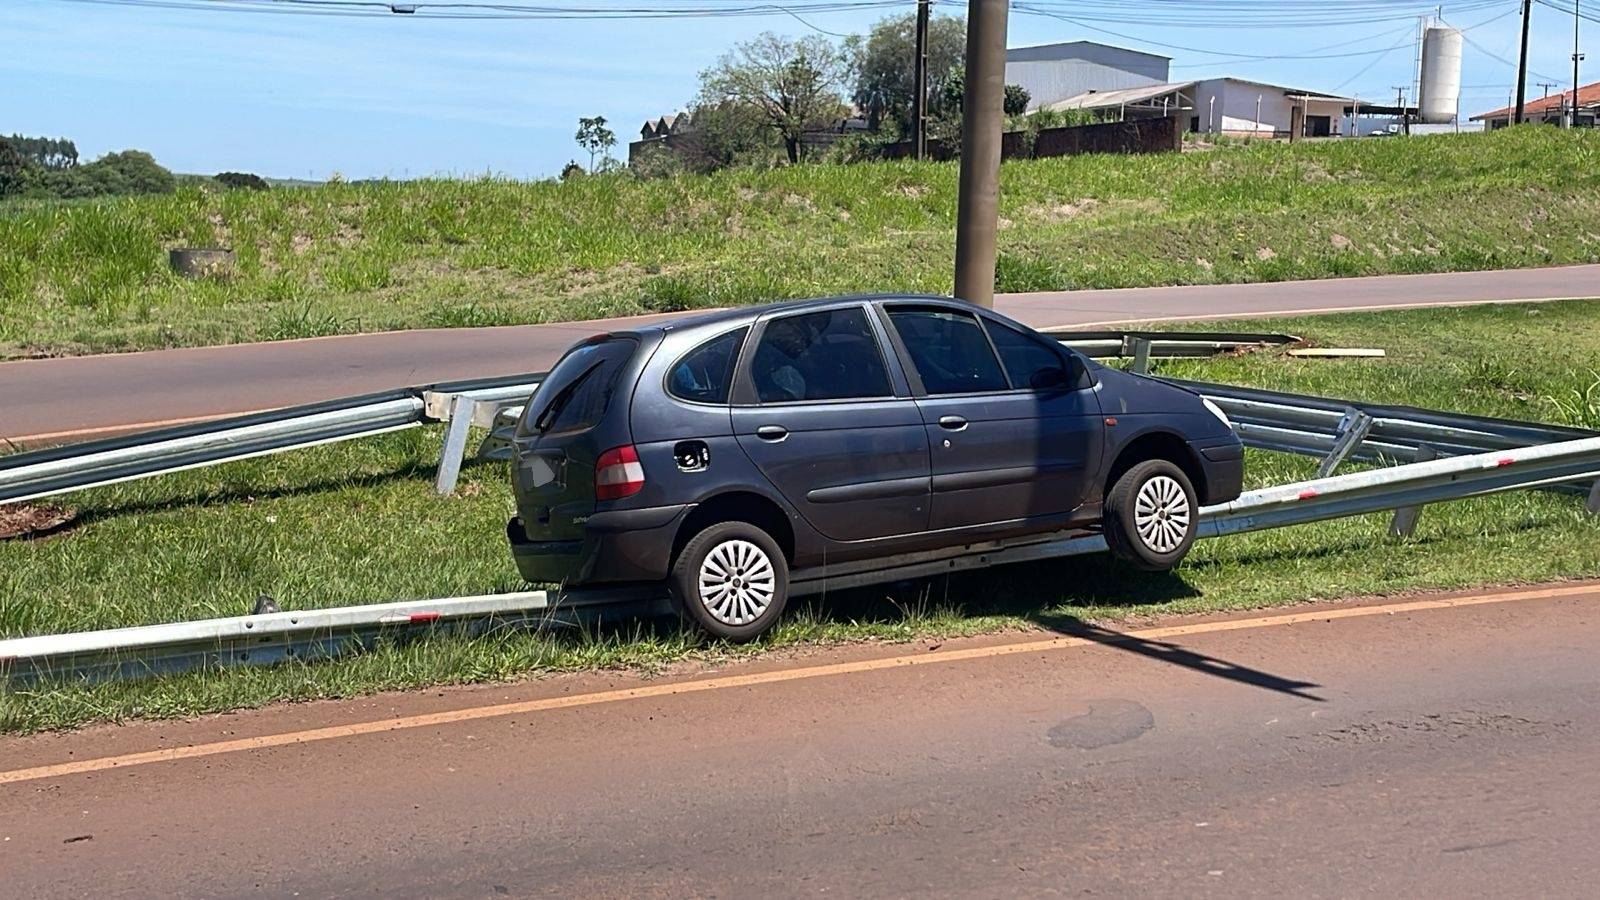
(1498,58)
(1246,14)
(1571,10)
(501,11)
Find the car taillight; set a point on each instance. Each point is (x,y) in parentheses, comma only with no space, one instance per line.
(617,473)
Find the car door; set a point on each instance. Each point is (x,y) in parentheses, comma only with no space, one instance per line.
(1012,431)
(829,421)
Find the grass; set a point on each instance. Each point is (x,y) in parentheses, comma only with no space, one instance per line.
(357,523)
(338,258)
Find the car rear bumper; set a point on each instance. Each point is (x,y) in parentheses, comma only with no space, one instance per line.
(1222,462)
(622,545)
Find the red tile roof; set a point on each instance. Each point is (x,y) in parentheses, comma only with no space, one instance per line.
(1588,95)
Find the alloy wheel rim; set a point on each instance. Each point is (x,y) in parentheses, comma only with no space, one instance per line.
(1161,513)
(737,582)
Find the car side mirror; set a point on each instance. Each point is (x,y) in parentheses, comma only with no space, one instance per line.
(1073,374)
(1053,378)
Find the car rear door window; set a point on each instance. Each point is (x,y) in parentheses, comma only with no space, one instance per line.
(949,350)
(1029,361)
(704,373)
(828,355)
(575,394)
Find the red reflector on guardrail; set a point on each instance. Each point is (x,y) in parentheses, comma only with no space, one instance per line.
(424,617)
(1505,462)
(1307,494)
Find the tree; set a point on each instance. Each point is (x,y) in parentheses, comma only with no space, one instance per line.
(793,84)
(130,172)
(883,65)
(571,170)
(49,153)
(595,137)
(1016,101)
(242,181)
(947,105)
(13,169)
(727,133)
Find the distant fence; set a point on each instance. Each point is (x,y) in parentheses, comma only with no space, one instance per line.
(1133,136)
(1157,135)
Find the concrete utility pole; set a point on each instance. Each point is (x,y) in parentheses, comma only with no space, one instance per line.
(1572,121)
(982,117)
(1522,62)
(919,103)
(1400,104)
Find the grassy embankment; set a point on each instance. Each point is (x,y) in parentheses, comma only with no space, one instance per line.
(358,523)
(344,258)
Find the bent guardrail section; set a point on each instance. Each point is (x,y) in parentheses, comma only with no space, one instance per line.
(271,637)
(75,467)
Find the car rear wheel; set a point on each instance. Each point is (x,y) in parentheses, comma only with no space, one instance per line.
(732,580)
(1151,515)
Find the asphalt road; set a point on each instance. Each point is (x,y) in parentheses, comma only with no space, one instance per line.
(1396,748)
(56,400)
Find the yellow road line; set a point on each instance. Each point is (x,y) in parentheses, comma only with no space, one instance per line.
(722,682)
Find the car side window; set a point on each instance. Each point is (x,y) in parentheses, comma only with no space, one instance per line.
(1029,361)
(705,373)
(949,351)
(828,355)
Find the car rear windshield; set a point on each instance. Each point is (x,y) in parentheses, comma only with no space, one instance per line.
(575,394)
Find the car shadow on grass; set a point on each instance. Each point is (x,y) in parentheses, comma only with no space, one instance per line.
(231,493)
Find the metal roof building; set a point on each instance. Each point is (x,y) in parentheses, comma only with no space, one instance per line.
(1053,72)
(1551,109)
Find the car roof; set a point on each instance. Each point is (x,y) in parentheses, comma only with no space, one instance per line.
(751,313)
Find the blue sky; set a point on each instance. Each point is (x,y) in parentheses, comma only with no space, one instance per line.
(302,97)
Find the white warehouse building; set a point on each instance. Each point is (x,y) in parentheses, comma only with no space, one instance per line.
(1225,106)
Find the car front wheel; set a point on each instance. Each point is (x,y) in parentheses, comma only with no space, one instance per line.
(1151,515)
(732,580)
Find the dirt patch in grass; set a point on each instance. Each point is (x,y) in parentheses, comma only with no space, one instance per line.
(24,521)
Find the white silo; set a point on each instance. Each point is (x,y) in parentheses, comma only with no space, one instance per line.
(1441,74)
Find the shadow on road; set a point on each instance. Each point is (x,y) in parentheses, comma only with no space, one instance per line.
(1179,655)
(1037,592)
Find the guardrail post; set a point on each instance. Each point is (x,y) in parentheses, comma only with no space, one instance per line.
(1141,355)
(1347,437)
(1405,518)
(455,444)
(1593,506)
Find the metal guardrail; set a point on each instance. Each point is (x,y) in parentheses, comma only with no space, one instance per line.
(129,652)
(75,467)
(1298,423)
(1168,344)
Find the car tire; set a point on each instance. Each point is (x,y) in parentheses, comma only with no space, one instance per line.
(731,580)
(1151,515)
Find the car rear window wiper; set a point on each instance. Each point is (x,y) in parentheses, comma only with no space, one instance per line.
(562,398)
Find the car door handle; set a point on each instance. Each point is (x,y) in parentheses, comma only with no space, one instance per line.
(772,432)
(954,423)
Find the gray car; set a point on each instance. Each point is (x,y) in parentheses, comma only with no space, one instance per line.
(732,455)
